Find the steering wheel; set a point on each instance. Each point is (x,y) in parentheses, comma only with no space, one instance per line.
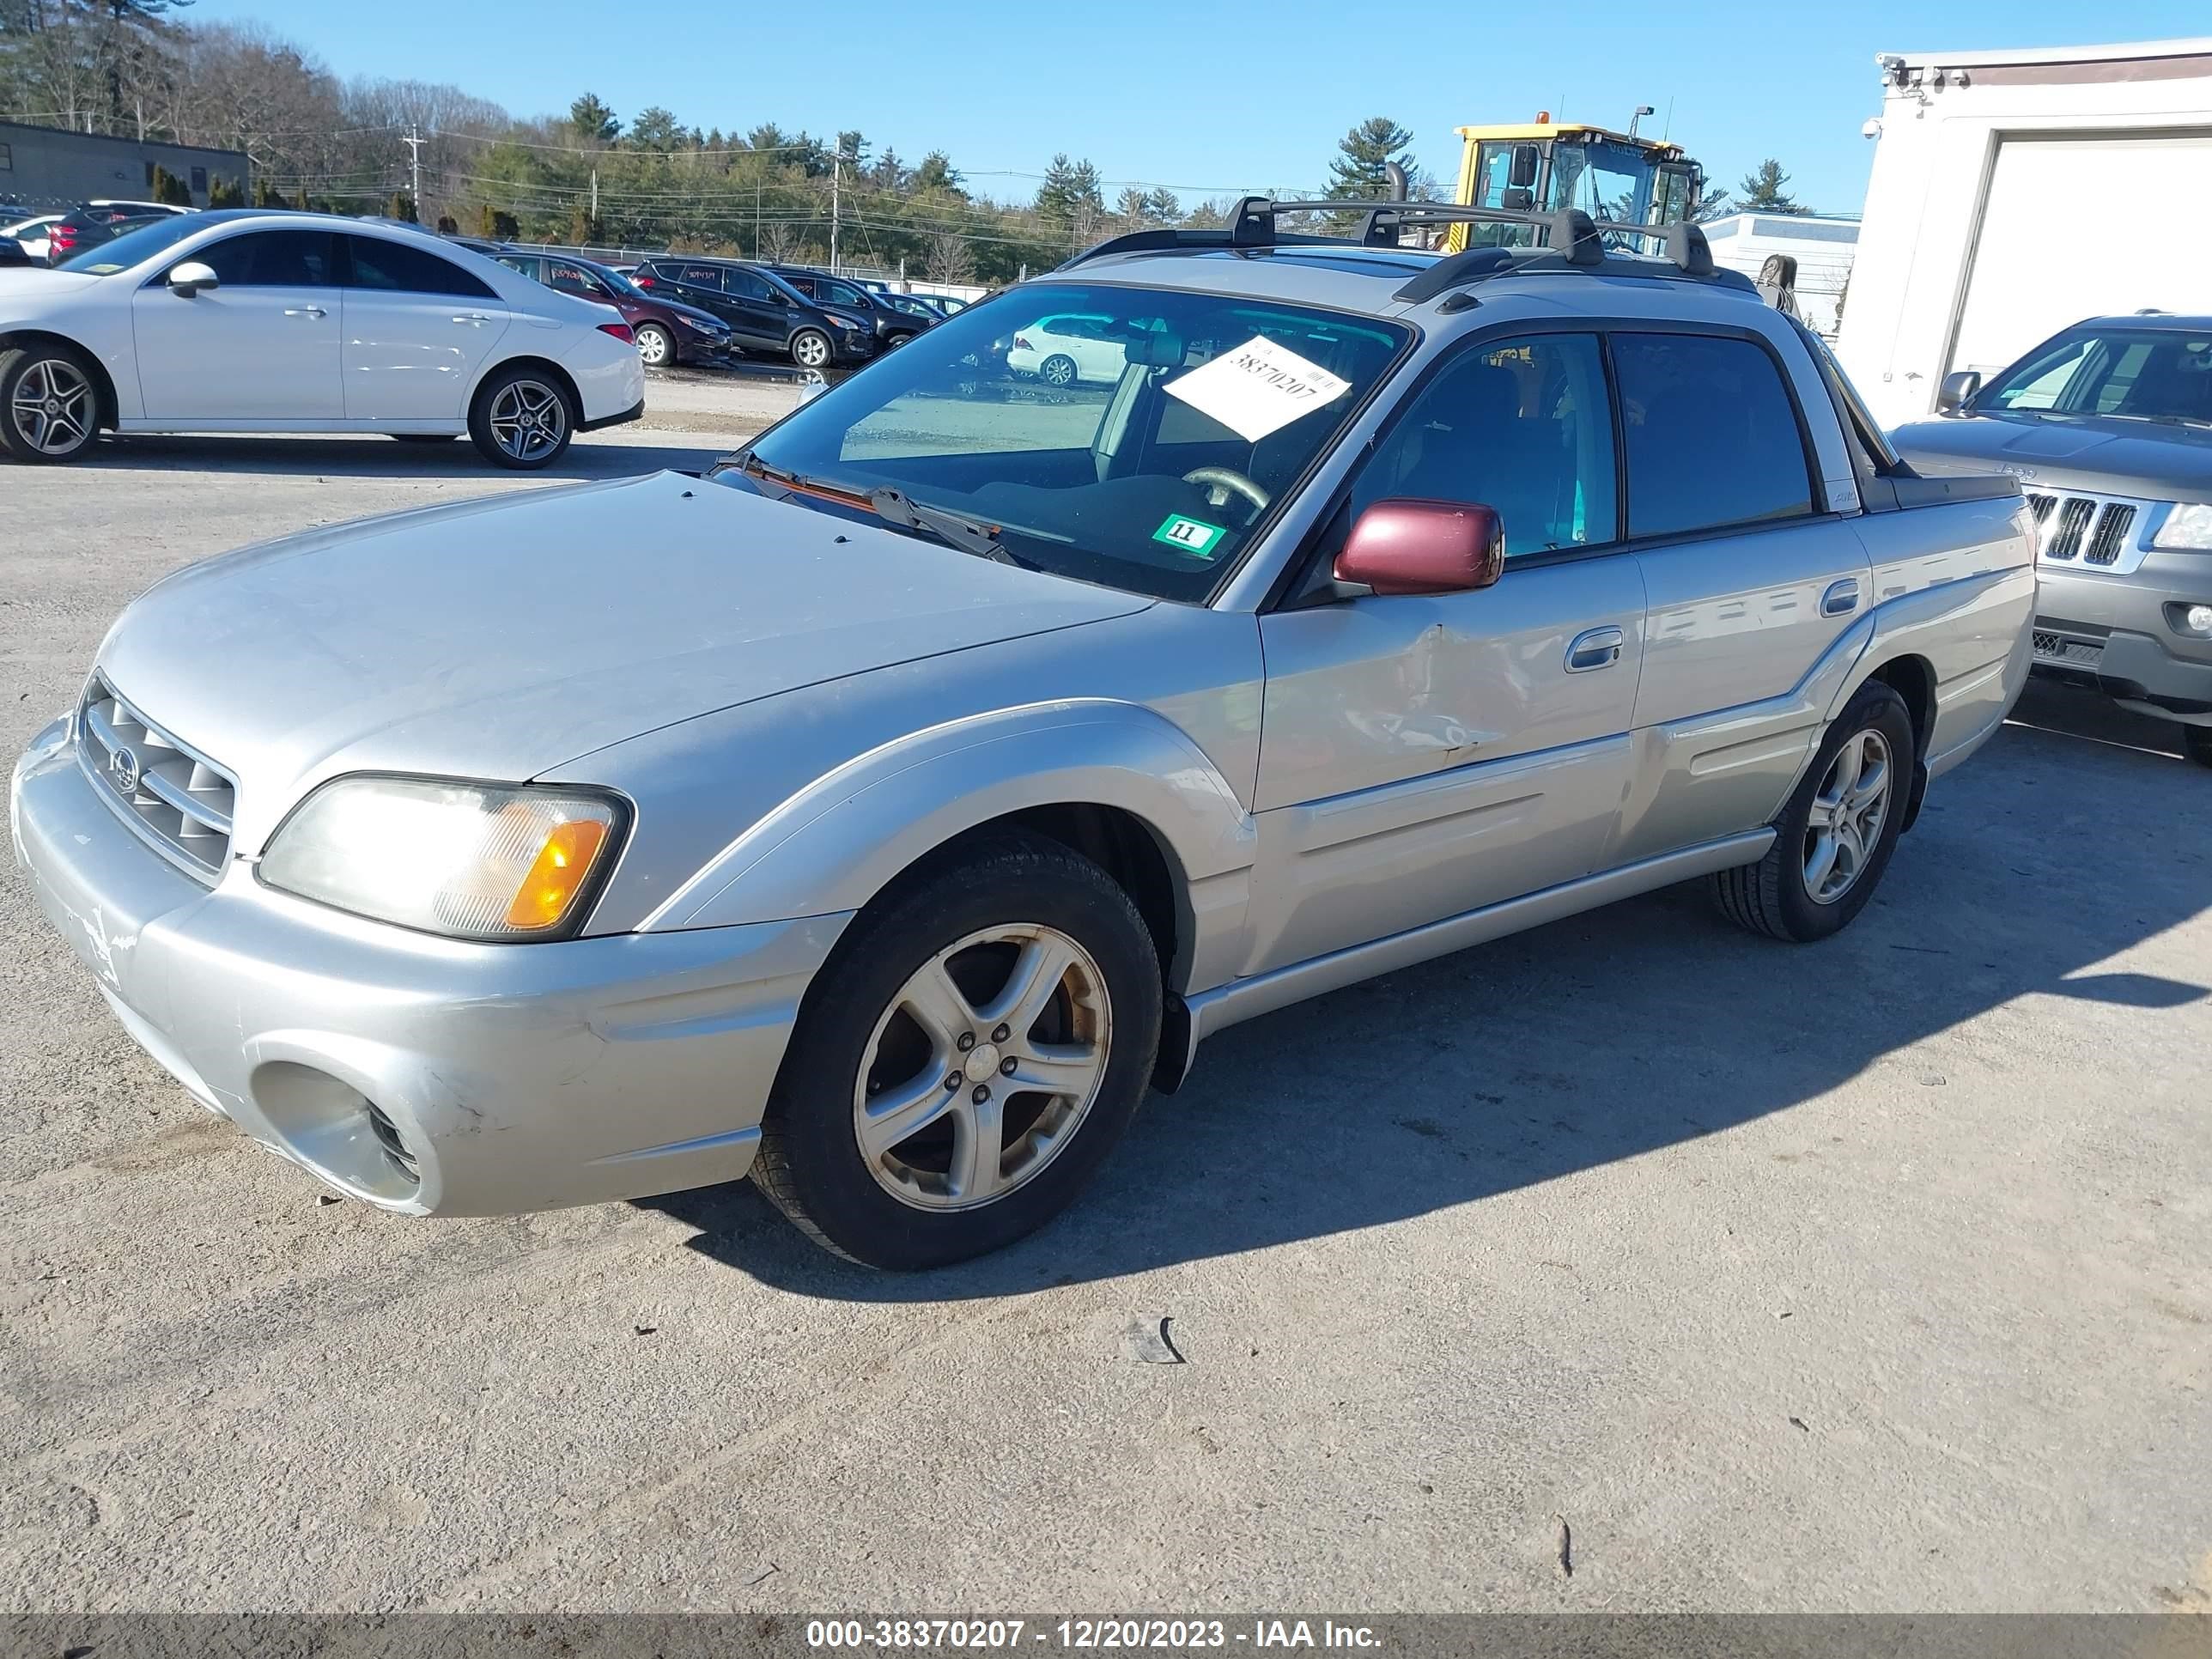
(1223,482)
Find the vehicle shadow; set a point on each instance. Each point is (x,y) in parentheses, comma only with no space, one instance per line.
(1609,1034)
(370,457)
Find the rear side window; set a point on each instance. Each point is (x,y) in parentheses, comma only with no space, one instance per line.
(272,259)
(1709,432)
(706,276)
(399,268)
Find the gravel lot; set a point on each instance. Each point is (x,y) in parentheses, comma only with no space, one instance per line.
(1870,1276)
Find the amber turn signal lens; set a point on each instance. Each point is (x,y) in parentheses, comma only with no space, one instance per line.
(558,873)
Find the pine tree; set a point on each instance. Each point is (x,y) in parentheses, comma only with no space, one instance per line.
(593,122)
(1357,174)
(1070,197)
(401,207)
(1761,190)
(169,189)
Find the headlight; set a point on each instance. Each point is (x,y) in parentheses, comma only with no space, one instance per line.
(2188,524)
(844,321)
(701,325)
(469,860)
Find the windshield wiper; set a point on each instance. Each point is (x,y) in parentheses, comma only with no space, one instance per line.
(950,528)
(894,507)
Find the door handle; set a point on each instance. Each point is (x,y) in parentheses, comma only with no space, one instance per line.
(1841,599)
(1598,648)
(304,311)
(474,318)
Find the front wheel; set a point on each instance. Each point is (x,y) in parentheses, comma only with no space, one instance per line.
(1834,838)
(2197,743)
(521,419)
(970,1055)
(810,348)
(49,406)
(655,345)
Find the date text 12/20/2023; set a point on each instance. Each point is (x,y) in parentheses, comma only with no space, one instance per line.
(1086,1634)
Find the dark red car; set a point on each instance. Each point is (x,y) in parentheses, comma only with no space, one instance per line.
(668,333)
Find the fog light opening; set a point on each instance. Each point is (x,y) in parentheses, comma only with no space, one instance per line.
(395,1148)
(2198,619)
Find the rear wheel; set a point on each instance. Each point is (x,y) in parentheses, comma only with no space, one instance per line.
(1835,838)
(810,348)
(49,403)
(2197,743)
(521,419)
(1058,369)
(655,345)
(980,1042)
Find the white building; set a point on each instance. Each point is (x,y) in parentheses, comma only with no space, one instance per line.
(1822,246)
(2014,192)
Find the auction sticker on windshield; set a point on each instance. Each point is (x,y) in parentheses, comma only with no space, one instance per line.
(1257,388)
(1191,535)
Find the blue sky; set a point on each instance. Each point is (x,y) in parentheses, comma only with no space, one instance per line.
(1209,97)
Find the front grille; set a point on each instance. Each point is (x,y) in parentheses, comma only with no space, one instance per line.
(2086,532)
(178,801)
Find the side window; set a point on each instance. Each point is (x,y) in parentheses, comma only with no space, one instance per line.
(397,267)
(843,294)
(522,264)
(573,279)
(750,285)
(1523,427)
(271,258)
(1711,435)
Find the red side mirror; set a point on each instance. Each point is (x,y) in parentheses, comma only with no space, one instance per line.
(1402,546)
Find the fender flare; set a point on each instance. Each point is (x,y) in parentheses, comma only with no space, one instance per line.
(833,846)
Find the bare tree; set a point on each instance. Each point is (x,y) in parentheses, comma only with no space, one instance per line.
(950,258)
(778,242)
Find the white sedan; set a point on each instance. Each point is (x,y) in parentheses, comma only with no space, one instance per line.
(1065,347)
(30,235)
(255,321)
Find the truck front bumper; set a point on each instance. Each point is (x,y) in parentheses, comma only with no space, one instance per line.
(424,1075)
(2121,634)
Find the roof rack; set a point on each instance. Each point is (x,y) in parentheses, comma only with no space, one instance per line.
(1577,241)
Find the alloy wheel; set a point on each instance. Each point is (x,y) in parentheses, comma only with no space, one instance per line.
(53,407)
(528,420)
(1845,819)
(810,351)
(654,346)
(983,1068)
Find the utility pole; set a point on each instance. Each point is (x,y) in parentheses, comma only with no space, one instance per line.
(414,142)
(837,177)
(595,195)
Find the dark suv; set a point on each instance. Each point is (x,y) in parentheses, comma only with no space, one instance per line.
(667,332)
(764,312)
(2108,428)
(893,326)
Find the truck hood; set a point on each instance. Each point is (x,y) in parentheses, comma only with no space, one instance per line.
(2145,459)
(497,639)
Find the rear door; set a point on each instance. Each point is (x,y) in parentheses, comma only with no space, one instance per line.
(1752,581)
(1425,755)
(261,346)
(417,329)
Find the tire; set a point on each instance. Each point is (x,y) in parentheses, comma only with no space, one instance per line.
(918,1201)
(424,437)
(1058,370)
(49,403)
(810,348)
(893,342)
(656,346)
(1777,895)
(522,418)
(2197,743)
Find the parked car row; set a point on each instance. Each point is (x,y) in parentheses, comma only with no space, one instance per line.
(50,238)
(250,320)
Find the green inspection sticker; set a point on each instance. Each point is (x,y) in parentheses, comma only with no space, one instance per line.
(1189,534)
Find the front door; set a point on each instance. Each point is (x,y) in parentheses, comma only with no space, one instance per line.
(1421,757)
(262,346)
(417,329)
(1750,581)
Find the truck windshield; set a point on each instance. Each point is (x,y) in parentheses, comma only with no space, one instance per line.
(2123,374)
(1136,438)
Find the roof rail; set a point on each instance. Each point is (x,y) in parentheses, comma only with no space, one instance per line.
(1577,241)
